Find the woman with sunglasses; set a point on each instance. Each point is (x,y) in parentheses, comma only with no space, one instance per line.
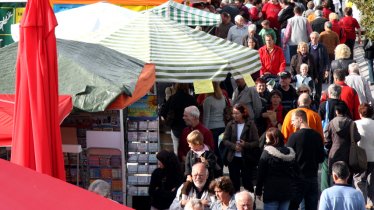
(224,192)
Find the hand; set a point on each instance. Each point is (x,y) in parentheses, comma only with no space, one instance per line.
(205,202)
(359,40)
(203,159)
(183,202)
(326,74)
(189,178)
(259,197)
(316,80)
(238,148)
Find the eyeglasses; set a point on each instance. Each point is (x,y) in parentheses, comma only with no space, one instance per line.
(198,175)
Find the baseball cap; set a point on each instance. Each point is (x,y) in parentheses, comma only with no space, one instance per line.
(285,74)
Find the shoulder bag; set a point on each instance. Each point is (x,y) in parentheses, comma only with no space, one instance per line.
(357,155)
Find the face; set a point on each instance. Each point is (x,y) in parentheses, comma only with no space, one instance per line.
(285,82)
(260,87)
(251,32)
(302,90)
(303,49)
(188,119)
(195,147)
(269,42)
(251,44)
(304,70)
(220,194)
(314,39)
(244,204)
(237,115)
(225,19)
(275,100)
(199,176)
(295,121)
(240,22)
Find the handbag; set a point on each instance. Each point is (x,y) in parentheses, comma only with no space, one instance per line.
(368,44)
(357,155)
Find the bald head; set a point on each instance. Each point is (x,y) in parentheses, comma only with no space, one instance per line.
(304,100)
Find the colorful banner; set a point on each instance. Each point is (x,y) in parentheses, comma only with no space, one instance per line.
(61,7)
(144,109)
(10,13)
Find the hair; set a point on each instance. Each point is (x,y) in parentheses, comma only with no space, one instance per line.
(315,33)
(217,91)
(195,138)
(275,137)
(354,67)
(304,64)
(319,7)
(334,91)
(297,10)
(193,204)
(203,165)
(339,74)
(304,99)
(301,44)
(301,114)
(275,92)
(318,13)
(342,51)
(252,27)
(260,80)
(254,40)
(265,22)
(328,24)
(238,196)
(333,16)
(100,187)
(242,109)
(182,86)
(193,111)
(226,15)
(304,86)
(238,18)
(223,183)
(256,2)
(365,110)
(310,5)
(286,2)
(341,108)
(269,35)
(340,169)
(348,11)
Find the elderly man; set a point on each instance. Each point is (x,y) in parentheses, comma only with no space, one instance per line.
(238,31)
(321,59)
(191,118)
(341,196)
(249,96)
(252,34)
(319,22)
(330,39)
(360,84)
(271,57)
(308,145)
(199,190)
(244,200)
(314,120)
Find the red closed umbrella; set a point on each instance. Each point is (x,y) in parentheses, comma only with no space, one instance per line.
(36,135)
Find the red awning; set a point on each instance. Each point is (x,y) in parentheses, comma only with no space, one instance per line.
(7,111)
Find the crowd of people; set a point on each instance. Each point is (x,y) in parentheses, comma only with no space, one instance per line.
(275,136)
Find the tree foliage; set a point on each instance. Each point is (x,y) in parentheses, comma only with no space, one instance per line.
(367,19)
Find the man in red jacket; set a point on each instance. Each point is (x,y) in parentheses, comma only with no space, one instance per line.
(191,118)
(348,95)
(272,57)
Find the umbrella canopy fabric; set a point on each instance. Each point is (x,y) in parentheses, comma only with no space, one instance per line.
(22,188)
(36,140)
(75,24)
(94,75)
(7,111)
(186,15)
(180,53)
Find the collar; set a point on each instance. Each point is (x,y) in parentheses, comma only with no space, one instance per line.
(341,83)
(343,185)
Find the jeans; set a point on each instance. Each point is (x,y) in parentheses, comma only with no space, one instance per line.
(364,183)
(276,205)
(370,68)
(307,190)
(351,44)
(292,50)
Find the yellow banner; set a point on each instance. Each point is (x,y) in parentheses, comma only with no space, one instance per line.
(203,86)
(249,80)
(19,13)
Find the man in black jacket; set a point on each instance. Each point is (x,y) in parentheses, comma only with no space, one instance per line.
(308,146)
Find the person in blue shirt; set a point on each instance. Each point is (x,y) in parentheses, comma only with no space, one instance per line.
(341,196)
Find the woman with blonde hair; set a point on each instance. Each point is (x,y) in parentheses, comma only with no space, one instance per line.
(342,60)
(303,56)
(334,19)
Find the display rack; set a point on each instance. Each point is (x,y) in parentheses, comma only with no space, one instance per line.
(106,164)
(73,166)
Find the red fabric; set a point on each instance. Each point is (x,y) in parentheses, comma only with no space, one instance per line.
(36,136)
(337,29)
(273,62)
(270,12)
(253,13)
(349,24)
(326,12)
(22,188)
(7,110)
(350,97)
(183,145)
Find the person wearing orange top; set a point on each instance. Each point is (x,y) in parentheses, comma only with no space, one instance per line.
(314,120)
